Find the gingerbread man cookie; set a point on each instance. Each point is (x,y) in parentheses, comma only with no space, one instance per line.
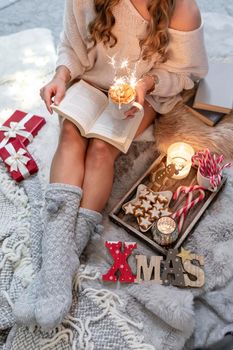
(160,176)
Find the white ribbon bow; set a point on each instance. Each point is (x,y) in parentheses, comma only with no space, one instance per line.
(17,160)
(16,128)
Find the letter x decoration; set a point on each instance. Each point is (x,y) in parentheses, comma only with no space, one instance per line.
(120,263)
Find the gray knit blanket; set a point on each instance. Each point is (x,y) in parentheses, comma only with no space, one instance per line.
(113,316)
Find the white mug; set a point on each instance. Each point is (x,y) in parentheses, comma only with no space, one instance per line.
(124,107)
(204,182)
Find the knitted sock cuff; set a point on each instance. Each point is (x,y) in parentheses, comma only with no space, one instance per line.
(95,216)
(66,187)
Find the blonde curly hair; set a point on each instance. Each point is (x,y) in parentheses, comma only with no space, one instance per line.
(157,39)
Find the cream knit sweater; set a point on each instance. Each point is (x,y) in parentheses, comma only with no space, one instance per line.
(187,55)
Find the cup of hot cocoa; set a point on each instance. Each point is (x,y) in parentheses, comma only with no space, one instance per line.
(123,97)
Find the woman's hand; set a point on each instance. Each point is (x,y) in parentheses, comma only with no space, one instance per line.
(143,85)
(55,88)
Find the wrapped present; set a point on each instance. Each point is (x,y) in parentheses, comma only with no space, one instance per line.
(18,161)
(21,125)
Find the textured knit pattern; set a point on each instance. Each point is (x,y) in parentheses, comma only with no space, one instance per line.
(14,242)
(187,55)
(33,190)
(24,307)
(51,289)
(105,334)
(88,222)
(59,256)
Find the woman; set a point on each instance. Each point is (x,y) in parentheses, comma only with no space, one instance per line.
(165,38)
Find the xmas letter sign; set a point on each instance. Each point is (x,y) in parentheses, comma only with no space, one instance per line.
(182,269)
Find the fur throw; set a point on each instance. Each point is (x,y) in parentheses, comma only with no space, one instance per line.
(181,125)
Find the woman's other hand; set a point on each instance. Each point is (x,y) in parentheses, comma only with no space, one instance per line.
(56,88)
(143,85)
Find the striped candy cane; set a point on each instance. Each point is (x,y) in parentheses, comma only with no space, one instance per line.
(210,166)
(182,212)
(182,217)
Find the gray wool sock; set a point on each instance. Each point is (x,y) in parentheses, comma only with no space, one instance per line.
(59,254)
(88,222)
(24,307)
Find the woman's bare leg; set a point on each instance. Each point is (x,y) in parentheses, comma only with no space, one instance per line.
(68,161)
(98,179)
(99,167)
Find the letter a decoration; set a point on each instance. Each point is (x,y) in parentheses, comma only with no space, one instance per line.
(120,263)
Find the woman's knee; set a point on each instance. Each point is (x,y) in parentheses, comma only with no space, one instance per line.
(70,139)
(100,151)
(69,132)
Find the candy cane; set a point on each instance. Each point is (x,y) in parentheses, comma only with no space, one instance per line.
(182,217)
(210,166)
(182,212)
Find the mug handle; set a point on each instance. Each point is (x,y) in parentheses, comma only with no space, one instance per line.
(140,107)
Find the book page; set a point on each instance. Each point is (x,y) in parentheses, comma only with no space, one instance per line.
(121,132)
(82,104)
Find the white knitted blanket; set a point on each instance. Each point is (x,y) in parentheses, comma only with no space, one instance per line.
(105,316)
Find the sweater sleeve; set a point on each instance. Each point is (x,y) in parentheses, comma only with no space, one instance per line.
(71,50)
(187,62)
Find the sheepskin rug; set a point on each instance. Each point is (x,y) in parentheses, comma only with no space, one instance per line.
(181,125)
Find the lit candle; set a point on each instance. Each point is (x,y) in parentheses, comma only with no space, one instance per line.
(165,230)
(180,154)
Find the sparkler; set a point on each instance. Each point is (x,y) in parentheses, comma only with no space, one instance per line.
(125,79)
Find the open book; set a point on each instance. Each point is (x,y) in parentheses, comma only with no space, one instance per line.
(89,109)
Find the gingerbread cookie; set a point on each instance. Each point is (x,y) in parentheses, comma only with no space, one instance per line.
(158,205)
(165,212)
(139,212)
(148,206)
(162,199)
(152,197)
(143,193)
(129,208)
(154,213)
(144,222)
(160,176)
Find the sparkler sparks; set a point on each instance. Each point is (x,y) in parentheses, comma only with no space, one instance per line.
(124,64)
(125,78)
(129,76)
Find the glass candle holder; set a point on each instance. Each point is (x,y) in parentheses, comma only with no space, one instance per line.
(165,231)
(180,154)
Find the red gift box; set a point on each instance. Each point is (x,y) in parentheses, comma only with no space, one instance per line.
(21,125)
(18,161)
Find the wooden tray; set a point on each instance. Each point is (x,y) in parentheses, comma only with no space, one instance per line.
(129,223)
